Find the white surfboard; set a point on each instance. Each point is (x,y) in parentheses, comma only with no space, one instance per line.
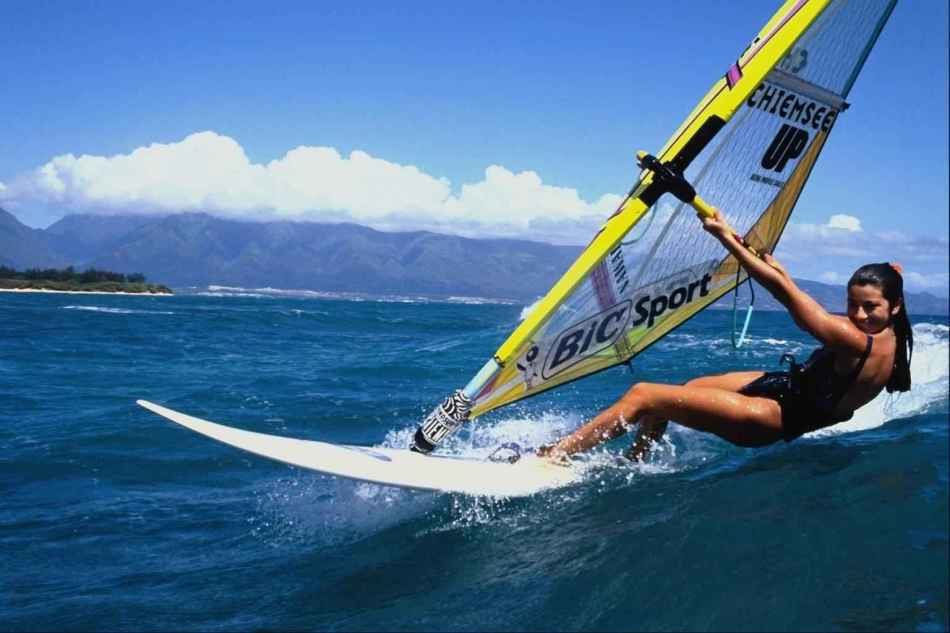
(388,466)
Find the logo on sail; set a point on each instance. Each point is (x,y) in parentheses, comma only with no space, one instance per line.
(799,115)
(586,338)
(596,333)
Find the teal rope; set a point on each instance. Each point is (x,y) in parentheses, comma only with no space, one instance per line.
(736,344)
(636,239)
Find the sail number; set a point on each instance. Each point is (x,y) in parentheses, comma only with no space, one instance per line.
(795,61)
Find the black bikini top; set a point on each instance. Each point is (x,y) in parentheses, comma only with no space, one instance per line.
(822,385)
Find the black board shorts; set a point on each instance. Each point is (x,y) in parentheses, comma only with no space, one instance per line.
(799,414)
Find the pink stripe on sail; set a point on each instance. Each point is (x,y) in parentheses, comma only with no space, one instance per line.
(733,75)
(601,282)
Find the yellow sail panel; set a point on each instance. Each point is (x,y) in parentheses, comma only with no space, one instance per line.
(765,233)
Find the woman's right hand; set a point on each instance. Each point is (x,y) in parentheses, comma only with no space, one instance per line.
(716,224)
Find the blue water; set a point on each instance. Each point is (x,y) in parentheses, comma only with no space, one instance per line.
(113,519)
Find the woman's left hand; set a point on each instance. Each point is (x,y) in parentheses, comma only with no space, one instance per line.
(771,261)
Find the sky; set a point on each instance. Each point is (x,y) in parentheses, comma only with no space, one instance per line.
(472,118)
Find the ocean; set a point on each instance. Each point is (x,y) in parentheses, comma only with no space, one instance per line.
(114,519)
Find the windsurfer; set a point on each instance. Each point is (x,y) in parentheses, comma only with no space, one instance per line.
(862,354)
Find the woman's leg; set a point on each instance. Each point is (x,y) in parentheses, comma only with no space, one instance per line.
(732,381)
(651,428)
(649,432)
(742,420)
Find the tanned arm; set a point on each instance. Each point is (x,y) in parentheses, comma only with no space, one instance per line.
(808,314)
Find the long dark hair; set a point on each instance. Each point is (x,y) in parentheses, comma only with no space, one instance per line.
(889,280)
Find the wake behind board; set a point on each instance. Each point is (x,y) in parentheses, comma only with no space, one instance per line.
(387,466)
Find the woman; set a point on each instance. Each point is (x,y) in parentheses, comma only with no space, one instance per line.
(862,354)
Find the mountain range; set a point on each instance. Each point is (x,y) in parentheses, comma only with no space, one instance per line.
(197,249)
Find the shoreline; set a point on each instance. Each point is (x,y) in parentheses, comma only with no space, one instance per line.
(91,292)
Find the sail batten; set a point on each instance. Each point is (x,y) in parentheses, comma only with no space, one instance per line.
(806,88)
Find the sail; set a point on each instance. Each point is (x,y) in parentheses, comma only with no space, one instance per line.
(748,148)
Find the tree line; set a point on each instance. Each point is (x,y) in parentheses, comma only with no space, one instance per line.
(69,274)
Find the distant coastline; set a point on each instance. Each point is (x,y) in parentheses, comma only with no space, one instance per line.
(70,280)
(149,293)
(196,250)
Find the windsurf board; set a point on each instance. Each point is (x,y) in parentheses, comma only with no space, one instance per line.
(388,466)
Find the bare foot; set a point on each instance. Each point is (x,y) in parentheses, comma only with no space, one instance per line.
(553,455)
(637,452)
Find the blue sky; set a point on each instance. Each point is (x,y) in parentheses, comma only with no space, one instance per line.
(481,100)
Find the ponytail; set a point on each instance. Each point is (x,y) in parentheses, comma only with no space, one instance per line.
(900,376)
(888,278)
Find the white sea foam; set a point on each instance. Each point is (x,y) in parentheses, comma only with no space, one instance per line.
(326,510)
(930,384)
(480,438)
(329,510)
(297,312)
(771,341)
(268,292)
(477,301)
(438,346)
(528,310)
(682,340)
(232,294)
(110,310)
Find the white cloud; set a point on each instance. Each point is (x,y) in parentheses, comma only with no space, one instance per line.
(846,222)
(811,242)
(830,277)
(519,198)
(210,172)
(932,281)
(830,252)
